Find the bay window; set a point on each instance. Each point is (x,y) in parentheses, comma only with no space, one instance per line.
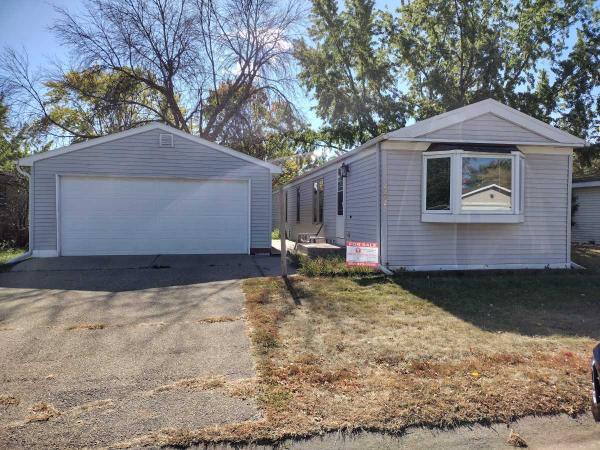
(472,187)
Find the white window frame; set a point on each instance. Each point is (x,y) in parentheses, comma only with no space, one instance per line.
(456,214)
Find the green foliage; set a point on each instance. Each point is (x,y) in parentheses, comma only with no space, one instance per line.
(95,102)
(457,53)
(328,266)
(446,55)
(578,87)
(12,140)
(275,234)
(349,71)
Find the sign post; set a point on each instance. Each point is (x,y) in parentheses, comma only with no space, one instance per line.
(282,228)
(362,254)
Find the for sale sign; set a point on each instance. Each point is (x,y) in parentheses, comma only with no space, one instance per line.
(362,254)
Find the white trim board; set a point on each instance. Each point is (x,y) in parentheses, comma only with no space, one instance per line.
(446,267)
(585,184)
(478,109)
(44,253)
(29,160)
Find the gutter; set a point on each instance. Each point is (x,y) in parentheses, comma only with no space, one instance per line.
(29,251)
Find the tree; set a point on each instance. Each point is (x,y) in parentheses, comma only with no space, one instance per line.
(348,70)
(94,102)
(167,56)
(271,129)
(454,53)
(578,88)
(14,204)
(12,140)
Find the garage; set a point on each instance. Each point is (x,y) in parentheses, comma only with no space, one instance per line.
(149,190)
(139,216)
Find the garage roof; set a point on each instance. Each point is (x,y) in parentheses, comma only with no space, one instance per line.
(29,160)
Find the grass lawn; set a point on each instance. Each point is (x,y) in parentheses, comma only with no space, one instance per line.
(438,350)
(10,253)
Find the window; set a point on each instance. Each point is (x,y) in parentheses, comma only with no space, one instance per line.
(466,186)
(297,204)
(486,184)
(438,184)
(340,195)
(318,195)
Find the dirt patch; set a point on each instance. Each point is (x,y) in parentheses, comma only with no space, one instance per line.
(41,412)
(87,326)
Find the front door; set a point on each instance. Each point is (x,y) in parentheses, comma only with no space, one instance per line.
(340,210)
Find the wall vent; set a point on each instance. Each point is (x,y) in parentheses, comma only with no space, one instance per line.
(166,140)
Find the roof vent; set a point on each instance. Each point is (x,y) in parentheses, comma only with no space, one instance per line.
(166,140)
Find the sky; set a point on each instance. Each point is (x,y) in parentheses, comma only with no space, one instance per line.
(24,24)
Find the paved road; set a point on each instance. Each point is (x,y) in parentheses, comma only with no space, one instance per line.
(95,337)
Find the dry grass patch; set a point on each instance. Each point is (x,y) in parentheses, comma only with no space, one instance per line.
(92,406)
(8,400)
(87,326)
(41,412)
(219,319)
(200,383)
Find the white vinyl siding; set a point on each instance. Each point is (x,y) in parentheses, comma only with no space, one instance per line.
(276,208)
(306,225)
(486,128)
(540,239)
(587,215)
(141,155)
(361,200)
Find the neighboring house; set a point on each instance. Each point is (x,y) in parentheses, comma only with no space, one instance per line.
(149,190)
(586,218)
(480,187)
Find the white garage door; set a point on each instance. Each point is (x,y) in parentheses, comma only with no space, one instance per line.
(137,216)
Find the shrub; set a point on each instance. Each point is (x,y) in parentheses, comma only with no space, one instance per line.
(328,266)
(275,234)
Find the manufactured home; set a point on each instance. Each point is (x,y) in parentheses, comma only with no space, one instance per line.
(480,187)
(149,190)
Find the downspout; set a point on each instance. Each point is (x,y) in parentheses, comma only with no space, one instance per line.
(570,264)
(29,251)
(381,267)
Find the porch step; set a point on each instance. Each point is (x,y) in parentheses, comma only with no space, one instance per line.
(320,249)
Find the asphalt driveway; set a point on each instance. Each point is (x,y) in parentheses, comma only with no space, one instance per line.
(99,350)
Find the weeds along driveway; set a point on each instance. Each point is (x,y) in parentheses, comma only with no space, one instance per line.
(101,350)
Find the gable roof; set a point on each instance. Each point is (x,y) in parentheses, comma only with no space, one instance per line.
(549,135)
(417,132)
(29,160)
(485,188)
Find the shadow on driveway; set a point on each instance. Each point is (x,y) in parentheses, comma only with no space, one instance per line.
(131,273)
